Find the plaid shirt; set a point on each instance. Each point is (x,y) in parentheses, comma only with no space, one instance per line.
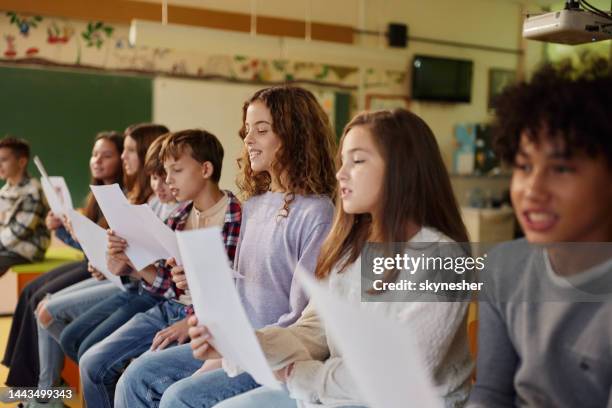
(163,284)
(22,226)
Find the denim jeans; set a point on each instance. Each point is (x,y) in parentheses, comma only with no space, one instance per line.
(103,363)
(164,379)
(103,319)
(264,397)
(64,306)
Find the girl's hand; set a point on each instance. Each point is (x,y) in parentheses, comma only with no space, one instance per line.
(178,332)
(95,273)
(52,222)
(68,226)
(178,274)
(284,373)
(200,336)
(209,365)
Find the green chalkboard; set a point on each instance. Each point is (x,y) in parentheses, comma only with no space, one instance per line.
(60,111)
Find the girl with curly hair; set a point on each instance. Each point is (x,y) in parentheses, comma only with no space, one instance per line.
(287,181)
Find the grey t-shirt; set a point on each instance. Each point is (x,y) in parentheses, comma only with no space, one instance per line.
(270,249)
(540,351)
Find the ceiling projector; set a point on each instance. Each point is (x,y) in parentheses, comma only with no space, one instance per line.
(573,26)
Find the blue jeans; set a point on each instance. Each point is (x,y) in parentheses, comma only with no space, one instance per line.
(264,397)
(103,363)
(65,306)
(164,379)
(103,319)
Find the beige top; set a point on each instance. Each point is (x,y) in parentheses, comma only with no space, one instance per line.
(213,216)
(320,377)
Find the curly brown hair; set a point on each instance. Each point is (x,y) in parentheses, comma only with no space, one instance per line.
(570,102)
(307,146)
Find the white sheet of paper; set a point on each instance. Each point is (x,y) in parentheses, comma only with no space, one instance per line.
(40,167)
(156,229)
(52,197)
(142,250)
(55,189)
(217,305)
(50,193)
(92,239)
(62,191)
(380,353)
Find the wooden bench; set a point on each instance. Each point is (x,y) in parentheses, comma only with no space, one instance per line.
(55,256)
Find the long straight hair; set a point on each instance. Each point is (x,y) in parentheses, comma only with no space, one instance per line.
(92,209)
(138,186)
(416,190)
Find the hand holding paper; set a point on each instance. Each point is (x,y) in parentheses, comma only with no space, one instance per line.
(127,221)
(178,274)
(217,304)
(380,353)
(92,238)
(200,341)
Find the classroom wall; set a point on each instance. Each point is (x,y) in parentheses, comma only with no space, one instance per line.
(494,23)
(219,111)
(213,106)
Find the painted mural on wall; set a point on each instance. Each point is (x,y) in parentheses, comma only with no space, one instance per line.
(60,42)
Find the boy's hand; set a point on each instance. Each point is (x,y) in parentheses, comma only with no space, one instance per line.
(116,245)
(116,260)
(202,349)
(52,222)
(94,272)
(178,332)
(178,274)
(118,267)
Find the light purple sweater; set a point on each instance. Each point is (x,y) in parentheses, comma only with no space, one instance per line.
(271,248)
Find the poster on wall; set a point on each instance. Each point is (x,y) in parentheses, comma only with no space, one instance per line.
(376,102)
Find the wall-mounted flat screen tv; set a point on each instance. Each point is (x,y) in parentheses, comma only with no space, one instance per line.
(441,79)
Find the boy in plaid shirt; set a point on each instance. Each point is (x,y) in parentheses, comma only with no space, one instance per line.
(192,163)
(23,235)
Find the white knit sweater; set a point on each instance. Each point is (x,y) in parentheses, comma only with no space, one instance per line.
(320,377)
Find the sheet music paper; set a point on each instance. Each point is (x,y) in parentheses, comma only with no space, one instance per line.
(217,305)
(380,353)
(53,198)
(92,239)
(142,249)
